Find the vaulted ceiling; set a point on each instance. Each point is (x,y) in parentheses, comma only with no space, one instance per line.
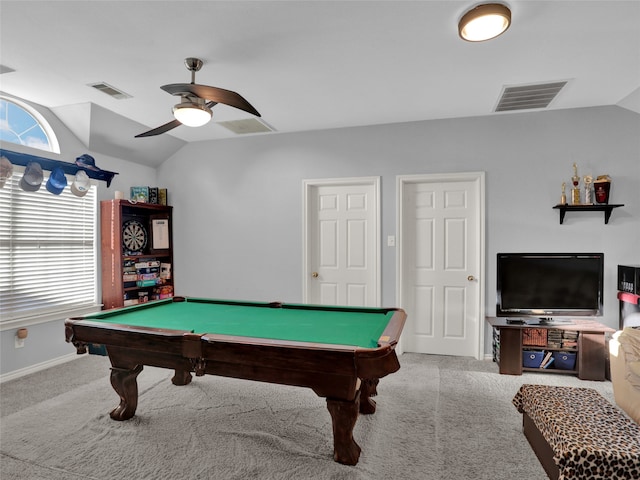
(304,65)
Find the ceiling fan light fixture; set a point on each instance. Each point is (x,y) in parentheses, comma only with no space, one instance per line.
(192,114)
(484,22)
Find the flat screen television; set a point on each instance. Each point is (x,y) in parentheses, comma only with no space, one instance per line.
(547,285)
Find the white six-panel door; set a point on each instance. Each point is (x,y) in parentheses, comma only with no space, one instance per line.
(341,242)
(441,263)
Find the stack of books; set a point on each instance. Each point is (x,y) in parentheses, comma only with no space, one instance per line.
(554,338)
(148,273)
(163,291)
(569,339)
(151,274)
(129,273)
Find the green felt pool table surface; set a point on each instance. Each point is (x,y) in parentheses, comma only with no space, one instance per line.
(361,327)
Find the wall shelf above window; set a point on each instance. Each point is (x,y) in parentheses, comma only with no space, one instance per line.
(48,164)
(607,209)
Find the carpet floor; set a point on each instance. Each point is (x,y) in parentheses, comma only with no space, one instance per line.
(438,418)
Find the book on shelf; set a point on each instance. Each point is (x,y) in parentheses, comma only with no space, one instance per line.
(149,264)
(147,276)
(144,271)
(139,194)
(546,360)
(165,271)
(162,196)
(153,195)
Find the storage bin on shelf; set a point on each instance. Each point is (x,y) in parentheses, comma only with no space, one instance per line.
(534,336)
(532,358)
(564,360)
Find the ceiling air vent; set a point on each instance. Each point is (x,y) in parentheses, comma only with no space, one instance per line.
(109,90)
(526,97)
(249,125)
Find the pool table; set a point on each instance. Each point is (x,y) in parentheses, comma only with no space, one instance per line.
(338,352)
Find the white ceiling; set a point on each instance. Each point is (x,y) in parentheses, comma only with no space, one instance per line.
(305,65)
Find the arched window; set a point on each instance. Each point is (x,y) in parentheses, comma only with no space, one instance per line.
(21,124)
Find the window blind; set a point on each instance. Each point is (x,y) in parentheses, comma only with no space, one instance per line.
(47,251)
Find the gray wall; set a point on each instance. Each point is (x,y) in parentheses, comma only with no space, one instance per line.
(238,202)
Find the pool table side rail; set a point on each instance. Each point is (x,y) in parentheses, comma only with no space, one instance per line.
(283,305)
(393,330)
(81,332)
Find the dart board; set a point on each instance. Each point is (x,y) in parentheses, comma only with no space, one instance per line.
(134,236)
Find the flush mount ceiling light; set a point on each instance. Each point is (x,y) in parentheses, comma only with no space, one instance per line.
(192,112)
(484,22)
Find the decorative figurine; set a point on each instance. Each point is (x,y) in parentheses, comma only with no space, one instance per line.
(575,191)
(588,192)
(563,197)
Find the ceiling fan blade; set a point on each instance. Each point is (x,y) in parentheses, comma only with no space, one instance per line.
(161,129)
(214,94)
(167,126)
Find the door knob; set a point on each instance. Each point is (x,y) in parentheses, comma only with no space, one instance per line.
(314,274)
(471,278)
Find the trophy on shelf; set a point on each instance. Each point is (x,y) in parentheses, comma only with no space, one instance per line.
(588,191)
(563,197)
(575,191)
(603,188)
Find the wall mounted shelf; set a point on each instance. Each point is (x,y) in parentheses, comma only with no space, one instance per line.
(47,164)
(607,209)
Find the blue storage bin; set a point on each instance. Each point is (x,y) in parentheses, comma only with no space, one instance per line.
(564,360)
(532,358)
(97,349)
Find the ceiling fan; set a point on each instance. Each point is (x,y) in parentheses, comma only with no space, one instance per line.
(196,101)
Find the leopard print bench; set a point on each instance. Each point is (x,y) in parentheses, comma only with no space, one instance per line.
(577,434)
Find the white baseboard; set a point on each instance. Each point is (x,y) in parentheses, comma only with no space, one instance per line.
(38,367)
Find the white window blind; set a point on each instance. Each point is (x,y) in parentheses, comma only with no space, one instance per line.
(47,251)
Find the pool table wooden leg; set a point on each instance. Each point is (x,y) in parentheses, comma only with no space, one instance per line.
(368,389)
(123,381)
(344,415)
(181,377)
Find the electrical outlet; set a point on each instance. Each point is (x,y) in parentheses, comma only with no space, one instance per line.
(391,241)
(19,342)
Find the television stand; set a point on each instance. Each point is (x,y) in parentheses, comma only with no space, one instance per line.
(591,353)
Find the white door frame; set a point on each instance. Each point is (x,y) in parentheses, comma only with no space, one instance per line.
(306,187)
(401,182)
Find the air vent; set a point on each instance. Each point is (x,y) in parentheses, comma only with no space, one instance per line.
(525,97)
(109,90)
(249,125)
